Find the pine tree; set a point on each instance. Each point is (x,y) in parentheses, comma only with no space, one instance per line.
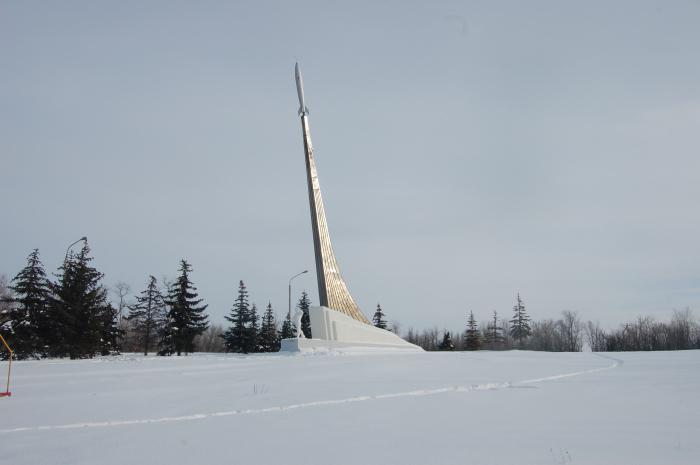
(378,319)
(303,305)
(188,317)
(29,321)
(110,333)
(269,341)
(166,335)
(494,336)
(235,336)
(82,320)
(520,324)
(147,314)
(446,343)
(288,328)
(472,338)
(252,329)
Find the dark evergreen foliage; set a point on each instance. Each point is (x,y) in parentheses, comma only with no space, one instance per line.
(29,322)
(288,328)
(303,305)
(494,334)
(520,324)
(446,343)
(185,311)
(268,338)
(472,338)
(147,315)
(378,319)
(82,320)
(71,317)
(166,335)
(235,336)
(110,334)
(252,330)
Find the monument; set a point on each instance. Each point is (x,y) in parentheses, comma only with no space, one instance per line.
(337,322)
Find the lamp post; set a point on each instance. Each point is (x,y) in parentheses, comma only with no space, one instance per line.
(289,307)
(84,238)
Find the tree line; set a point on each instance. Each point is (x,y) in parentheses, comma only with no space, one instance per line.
(569,333)
(70,316)
(66,316)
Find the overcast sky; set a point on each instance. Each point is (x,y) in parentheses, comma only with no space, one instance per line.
(467,151)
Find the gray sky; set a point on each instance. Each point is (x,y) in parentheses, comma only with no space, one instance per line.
(467,151)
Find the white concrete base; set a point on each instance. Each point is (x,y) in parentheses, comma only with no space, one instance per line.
(333,330)
(321,346)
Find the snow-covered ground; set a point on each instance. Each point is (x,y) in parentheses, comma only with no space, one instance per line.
(393,408)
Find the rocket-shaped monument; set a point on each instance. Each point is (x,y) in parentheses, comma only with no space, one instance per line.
(337,322)
(332,290)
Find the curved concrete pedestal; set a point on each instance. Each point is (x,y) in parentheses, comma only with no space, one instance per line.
(334,330)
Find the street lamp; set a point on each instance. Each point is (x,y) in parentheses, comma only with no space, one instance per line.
(84,238)
(289,307)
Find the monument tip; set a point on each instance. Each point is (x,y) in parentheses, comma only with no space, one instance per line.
(303,110)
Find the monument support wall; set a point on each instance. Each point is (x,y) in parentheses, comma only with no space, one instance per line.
(334,330)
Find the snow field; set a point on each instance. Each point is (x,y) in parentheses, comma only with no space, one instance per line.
(347,408)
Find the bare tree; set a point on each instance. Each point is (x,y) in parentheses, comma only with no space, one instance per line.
(431,339)
(595,337)
(570,328)
(210,340)
(120,291)
(411,336)
(428,339)
(682,329)
(647,334)
(545,336)
(5,300)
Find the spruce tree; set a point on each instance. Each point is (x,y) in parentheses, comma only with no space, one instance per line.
(472,338)
(268,340)
(520,324)
(252,329)
(494,335)
(29,321)
(146,314)
(110,333)
(378,319)
(303,305)
(446,343)
(166,335)
(81,317)
(235,336)
(289,330)
(188,317)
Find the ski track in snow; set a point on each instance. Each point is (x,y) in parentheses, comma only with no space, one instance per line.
(321,403)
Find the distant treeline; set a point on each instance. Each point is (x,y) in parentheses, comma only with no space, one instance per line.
(71,316)
(569,333)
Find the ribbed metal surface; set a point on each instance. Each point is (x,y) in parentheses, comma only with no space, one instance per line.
(332,290)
